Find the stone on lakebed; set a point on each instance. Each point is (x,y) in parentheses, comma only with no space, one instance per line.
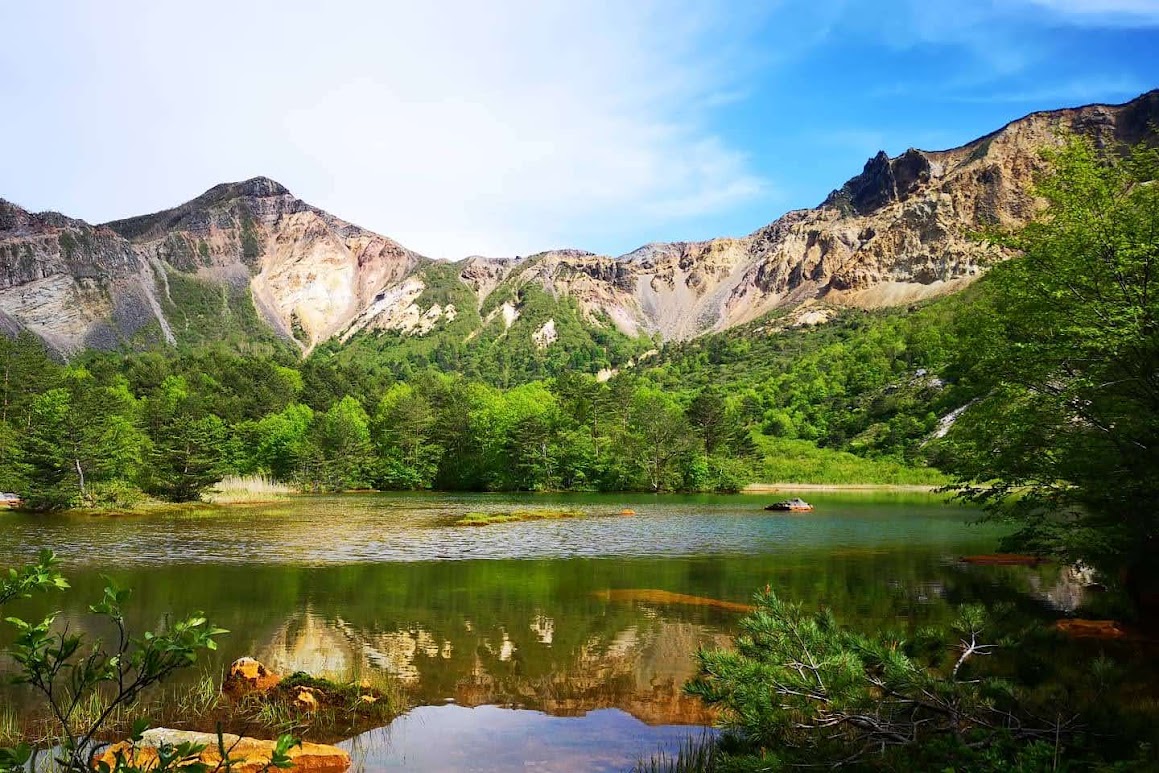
(247,755)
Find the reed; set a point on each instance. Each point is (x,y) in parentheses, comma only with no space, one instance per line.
(696,755)
(247,489)
(200,705)
(10,731)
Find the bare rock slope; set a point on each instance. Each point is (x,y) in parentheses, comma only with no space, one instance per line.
(897,232)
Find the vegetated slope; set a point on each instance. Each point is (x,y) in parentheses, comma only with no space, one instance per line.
(881,384)
(898,232)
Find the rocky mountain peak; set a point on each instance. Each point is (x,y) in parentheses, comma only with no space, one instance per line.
(897,232)
(254,196)
(883,180)
(13,219)
(253,188)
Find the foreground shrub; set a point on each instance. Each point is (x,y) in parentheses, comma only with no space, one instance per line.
(800,689)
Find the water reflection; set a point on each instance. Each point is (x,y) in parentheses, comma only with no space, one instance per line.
(400,527)
(566,618)
(640,667)
(455,738)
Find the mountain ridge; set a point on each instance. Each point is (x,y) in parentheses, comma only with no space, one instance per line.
(897,232)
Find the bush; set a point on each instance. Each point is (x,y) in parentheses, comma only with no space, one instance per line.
(110,495)
(801,690)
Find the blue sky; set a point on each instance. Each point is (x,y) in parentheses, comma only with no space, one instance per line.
(513,126)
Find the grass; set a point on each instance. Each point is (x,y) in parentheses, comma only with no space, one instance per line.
(799,461)
(344,708)
(513,516)
(9,727)
(148,506)
(201,706)
(247,489)
(695,755)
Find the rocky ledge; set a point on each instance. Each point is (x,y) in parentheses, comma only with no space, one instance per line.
(246,755)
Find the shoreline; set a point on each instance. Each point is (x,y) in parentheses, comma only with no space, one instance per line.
(157,507)
(775,488)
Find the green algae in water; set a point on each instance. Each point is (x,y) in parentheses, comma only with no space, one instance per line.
(514,516)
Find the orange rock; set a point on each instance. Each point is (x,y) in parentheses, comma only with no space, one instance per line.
(627,511)
(305,700)
(247,755)
(247,675)
(1003,559)
(1091,629)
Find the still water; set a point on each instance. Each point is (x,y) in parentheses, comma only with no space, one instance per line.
(544,645)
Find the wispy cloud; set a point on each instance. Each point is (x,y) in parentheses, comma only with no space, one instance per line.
(516,125)
(1102,12)
(456,127)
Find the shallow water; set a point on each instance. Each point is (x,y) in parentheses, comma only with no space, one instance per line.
(414,527)
(560,620)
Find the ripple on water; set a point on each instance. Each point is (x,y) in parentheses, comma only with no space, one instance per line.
(401,527)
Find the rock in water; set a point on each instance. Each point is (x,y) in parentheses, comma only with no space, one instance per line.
(305,699)
(247,755)
(247,675)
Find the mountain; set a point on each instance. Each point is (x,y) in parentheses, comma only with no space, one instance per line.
(249,259)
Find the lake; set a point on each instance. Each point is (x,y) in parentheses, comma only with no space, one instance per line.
(541,645)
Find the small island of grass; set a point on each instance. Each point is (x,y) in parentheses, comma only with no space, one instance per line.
(512,516)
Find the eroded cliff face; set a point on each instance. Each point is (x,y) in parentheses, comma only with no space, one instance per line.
(897,232)
(900,231)
(73,284)
(310,273)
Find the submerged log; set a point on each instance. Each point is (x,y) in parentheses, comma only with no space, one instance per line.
(1003,559)
(655,596)
(1090,629)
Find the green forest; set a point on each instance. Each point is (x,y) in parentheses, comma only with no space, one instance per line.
(852,401)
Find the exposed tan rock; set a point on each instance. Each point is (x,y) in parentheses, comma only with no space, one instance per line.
(546,335)
(900,231)
(305,699)
(247,675)
(247,755)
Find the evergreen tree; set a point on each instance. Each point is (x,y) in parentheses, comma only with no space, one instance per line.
(82,435)
(403,427)
(338,454)
(188,443)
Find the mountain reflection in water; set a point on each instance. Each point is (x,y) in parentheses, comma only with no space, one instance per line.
(640,668)
(562,617)
(434,739)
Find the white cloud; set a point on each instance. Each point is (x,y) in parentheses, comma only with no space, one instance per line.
(457,127)
(1123,11)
